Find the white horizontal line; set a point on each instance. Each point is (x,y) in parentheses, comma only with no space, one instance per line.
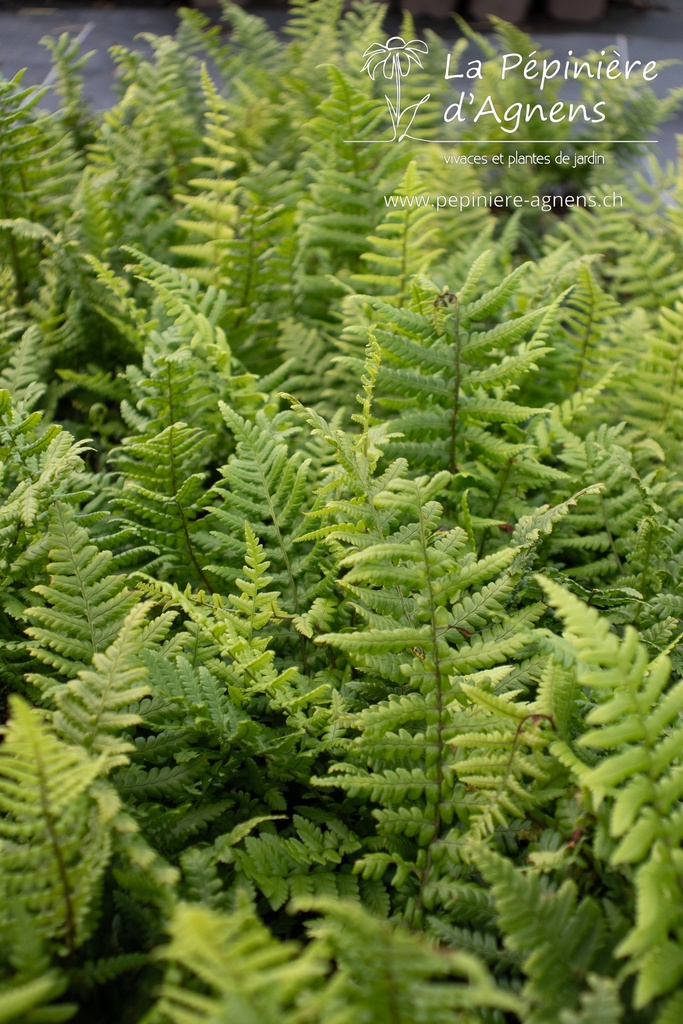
(538,142)
(510,142)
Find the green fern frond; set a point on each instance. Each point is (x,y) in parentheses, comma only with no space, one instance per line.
(587,318)
(636,728)
(400,246)
(445,619)
(263,484)
(655,406)
(38,466)
(84,604)
(54,832)
(313,860)
(404,981)
(244,972)
(161,500)
(24,369)
(93,710)
(559,935)
(39,172)
(451,378)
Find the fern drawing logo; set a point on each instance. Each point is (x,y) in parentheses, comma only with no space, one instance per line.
(395,58)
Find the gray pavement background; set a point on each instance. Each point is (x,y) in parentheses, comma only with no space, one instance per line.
(653,32)
(99,28)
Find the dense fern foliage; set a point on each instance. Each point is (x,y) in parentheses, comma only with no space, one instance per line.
(340,554)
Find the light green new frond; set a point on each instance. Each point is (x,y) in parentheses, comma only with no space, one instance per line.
(506,767)
(358,497)
(37,466)
(343,172)
(254,603)
(636,727)
(93,711)
(177,383)
(239,219)
(155,128)
(240,637)
(245,973)
(54,839)
(589,633)
(220,160)
(195,314)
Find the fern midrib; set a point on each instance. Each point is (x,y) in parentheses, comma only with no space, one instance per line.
(456,396)
(436,822)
